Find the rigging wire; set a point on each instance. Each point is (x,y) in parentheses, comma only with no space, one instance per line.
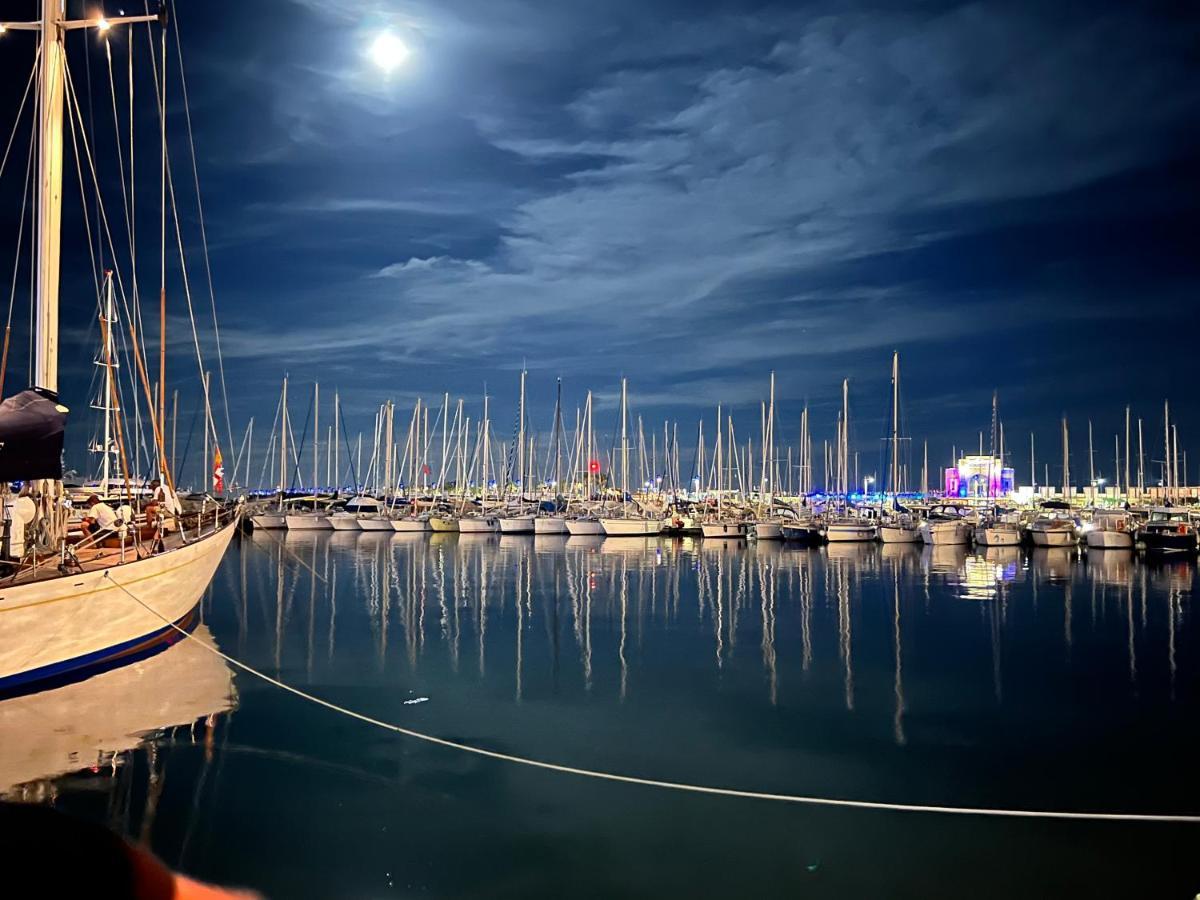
(169,189)
(12,294)
(212,297)
(20,111)
(80,137)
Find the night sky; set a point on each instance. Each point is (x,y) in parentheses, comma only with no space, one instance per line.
(689,194)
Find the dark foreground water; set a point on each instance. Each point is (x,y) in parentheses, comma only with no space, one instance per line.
(1048,680)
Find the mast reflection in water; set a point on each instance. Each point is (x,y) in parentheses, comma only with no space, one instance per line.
(1000,677)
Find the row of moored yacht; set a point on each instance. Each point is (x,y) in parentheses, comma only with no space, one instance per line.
(1169,529)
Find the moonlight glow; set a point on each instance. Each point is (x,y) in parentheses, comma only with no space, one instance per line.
(388,51)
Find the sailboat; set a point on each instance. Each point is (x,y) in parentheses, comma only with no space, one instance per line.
(846,528)
(481,522)
(769,526)
(68,609)
(554,522)
(584,522)
(998,527)
(1054,525)
(275,518)
(630,523)
(415,451)
(720,525)
(519,519)
(897,526)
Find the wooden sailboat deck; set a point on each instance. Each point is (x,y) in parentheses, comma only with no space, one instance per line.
(93,558)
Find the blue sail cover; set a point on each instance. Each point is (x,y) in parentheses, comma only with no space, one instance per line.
(31,437)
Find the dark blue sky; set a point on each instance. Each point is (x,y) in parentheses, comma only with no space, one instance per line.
(692,195)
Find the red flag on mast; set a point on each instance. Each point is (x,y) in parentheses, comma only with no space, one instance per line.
(218,475)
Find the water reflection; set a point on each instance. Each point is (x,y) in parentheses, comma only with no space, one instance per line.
(807,608)
(942,672)
(93,724)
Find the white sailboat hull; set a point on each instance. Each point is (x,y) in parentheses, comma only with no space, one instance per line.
(516,525)
(410,525)
(768,531)
(1109,540)
(307,522)
(946,532)
(899,534)
(66,626)
(269,520)
(344,522)
(549,525)
(723,530)
(840,534)
(443,524)
(479,525)
(1057,537)
(375,524)
(997,537)
(631,527)
(584,527)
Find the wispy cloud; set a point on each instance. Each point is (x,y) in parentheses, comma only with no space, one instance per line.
(691,197)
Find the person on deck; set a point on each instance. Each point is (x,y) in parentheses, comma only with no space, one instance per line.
(163,502)
(100,521)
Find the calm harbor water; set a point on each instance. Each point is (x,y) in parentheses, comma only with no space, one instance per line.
(1046,680)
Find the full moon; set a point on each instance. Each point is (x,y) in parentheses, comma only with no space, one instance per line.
(388,51)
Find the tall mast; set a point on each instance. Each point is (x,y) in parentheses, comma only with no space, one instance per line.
(590,443)
(522,462)
(50,166)
(1117,462)
(768,450)
(1091,461)
(1032,464)
(624,443)
(1066,462)
(1141,461)
(109,393)
(283,432)
(992,450)
(337,472)
(845,485)
(445,436)
(557,436)
(895,422)
(1167,450)
(1175,458)
(316,434)
(718,460)
(1128,483)
(486,452)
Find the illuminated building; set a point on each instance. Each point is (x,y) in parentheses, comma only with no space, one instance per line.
(979,476)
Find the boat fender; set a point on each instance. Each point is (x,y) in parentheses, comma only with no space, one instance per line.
(1182,529)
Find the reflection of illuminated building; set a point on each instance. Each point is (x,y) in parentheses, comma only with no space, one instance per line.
(979,476)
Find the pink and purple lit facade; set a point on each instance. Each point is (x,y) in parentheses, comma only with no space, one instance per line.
(979,476)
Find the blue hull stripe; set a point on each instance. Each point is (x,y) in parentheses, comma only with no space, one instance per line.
(71,670)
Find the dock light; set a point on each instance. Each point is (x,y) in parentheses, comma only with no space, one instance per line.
(103,24)
(388,51)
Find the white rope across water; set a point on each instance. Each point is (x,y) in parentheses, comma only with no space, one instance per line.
(658,783)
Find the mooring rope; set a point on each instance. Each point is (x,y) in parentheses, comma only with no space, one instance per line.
(658,783)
